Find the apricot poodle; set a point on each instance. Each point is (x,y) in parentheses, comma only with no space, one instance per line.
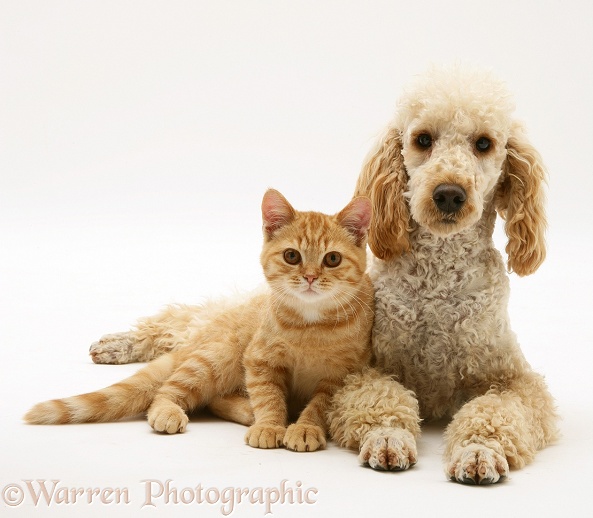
(450,161)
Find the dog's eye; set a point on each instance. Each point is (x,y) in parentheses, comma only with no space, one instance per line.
(483,144)
(424,140)
(291,256)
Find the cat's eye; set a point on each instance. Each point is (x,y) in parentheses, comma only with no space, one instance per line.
(332,259)
(424,140)
(483,144)
(292,256)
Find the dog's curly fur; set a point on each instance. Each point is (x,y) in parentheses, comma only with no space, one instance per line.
(441,327)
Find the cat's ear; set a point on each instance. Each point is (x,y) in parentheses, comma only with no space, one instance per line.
(276,212)
(356,218)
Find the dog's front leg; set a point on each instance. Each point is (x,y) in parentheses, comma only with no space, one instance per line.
(501,429)
(379,417)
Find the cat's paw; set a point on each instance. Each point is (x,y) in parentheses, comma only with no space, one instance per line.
(265,436)
(477,464)
(116,348)
(304,437)
(390,449)
(167,418)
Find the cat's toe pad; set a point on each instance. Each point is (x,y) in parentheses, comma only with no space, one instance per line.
(168,419)
(304,437)
(265,436)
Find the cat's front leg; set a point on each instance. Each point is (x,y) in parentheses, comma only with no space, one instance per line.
(267,388)
(309,432)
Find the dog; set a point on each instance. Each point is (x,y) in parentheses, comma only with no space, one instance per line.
(450,161)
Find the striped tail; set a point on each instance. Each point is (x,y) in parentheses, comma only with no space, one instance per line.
(126,398)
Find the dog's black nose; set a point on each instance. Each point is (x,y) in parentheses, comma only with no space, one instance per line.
(449,197)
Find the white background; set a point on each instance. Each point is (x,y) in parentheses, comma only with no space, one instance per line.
(136,141)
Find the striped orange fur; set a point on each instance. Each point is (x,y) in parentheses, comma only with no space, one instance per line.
(276,356)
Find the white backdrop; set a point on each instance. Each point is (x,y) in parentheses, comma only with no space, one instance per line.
(136,141)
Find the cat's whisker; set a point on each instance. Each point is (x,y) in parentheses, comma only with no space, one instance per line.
(279,295)
(347,299)
(359,300)
(338,306)
(362,303)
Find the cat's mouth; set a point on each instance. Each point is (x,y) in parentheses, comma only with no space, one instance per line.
(310,291)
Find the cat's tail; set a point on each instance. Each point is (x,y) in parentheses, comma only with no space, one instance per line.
(126,398)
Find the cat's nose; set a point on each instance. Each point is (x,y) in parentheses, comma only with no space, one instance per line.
(310,278)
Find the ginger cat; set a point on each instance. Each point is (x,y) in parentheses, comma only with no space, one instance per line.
(255,362)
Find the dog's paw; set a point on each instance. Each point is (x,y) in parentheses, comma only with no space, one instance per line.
(167,418)
(392,449)
(304,437)
(477,464)
(265,436)
(116,348)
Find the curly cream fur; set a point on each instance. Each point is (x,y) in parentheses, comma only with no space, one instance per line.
(520,201)
(441,326)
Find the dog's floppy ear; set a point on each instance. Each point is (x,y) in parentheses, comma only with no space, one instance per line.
(520,201)
(383,179)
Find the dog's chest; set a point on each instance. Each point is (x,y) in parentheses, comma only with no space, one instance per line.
(426,320)
(437,295)
(435,316)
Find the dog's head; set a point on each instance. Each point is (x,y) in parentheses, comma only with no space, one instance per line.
(452,150)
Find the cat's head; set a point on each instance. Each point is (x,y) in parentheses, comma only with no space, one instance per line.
(313,261)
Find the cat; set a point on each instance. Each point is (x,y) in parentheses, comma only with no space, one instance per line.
(256,362)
